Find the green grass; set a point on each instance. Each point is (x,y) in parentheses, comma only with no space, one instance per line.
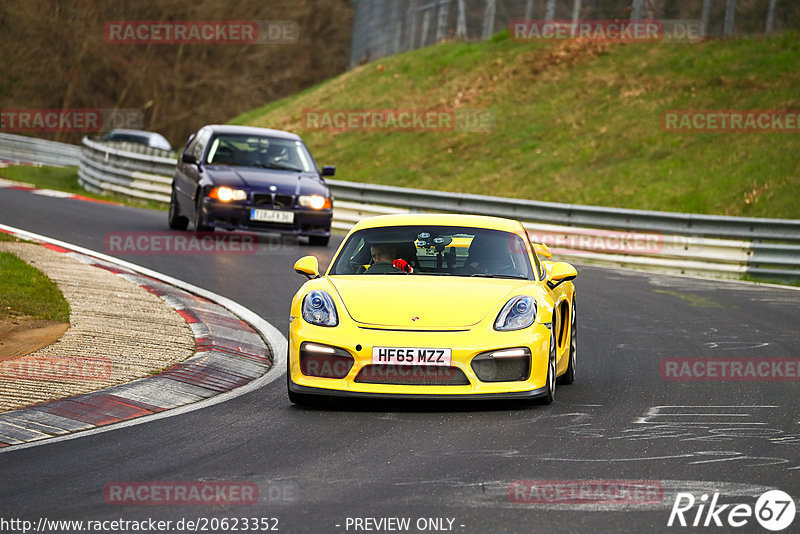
(574,123)
(771,280)
(26,291)
(12,239)
(66,179)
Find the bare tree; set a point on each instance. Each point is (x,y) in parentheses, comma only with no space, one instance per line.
(55,56)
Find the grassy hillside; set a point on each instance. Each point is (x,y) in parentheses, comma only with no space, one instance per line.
(575,122)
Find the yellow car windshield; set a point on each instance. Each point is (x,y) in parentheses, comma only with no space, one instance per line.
(434,250)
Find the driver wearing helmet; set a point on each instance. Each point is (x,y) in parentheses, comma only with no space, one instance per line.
(385,260)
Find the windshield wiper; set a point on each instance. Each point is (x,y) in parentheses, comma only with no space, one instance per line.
(278,167)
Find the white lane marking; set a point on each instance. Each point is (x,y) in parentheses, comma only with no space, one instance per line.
(735,345)
(52,193)
(611,460)
(276,341)
(662,414)
(738,456)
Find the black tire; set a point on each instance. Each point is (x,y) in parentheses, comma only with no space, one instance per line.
(176,220)
(551,373)
(569,376)
(198,216)
(318,241)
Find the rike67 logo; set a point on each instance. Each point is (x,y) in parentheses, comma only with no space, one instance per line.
(774,510)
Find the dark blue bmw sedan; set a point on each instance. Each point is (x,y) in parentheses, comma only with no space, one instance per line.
(240,177)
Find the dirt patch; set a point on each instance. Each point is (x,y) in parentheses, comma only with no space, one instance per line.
(566,53)
(22,335)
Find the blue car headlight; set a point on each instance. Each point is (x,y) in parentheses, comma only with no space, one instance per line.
(318,309)
(518,313)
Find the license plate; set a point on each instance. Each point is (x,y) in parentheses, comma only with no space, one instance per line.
(276,216)
(410,356)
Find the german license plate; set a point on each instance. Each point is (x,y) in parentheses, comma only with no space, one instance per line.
(411,356)
(276,216)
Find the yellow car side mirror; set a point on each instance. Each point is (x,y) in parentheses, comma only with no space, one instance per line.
(542,250)
(307,266)
(559,272)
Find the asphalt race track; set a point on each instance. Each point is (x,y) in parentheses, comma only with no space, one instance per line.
(315,468)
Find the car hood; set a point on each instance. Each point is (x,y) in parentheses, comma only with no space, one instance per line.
(257,179)
(436,301)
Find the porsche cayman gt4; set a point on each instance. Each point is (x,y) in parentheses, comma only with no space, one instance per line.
(425,306)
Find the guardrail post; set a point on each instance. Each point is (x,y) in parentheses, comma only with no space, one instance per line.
(550,10)
(441,26)
(488,19)
(426,22)
(576,10)
(412,24)
(636,9)
(461,25)
(770,16)
(730,11)
(528,10)
(704,17)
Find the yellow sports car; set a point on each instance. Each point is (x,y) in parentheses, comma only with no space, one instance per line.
(425,306)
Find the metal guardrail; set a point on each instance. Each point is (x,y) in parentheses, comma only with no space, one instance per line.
(109,168)
(20,149)
(705,245)
(575,215)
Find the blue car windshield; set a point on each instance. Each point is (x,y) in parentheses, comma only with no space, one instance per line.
(259,151)
(435,250)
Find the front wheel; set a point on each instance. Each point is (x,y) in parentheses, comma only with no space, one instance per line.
(199,226)
(176,220)
(551,373)
(569,376)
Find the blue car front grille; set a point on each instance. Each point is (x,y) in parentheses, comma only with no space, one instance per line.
(272,199)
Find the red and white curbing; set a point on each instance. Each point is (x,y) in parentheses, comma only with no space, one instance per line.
(20,186)
(235,352)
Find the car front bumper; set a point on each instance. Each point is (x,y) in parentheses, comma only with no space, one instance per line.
(236,216)
(464,345)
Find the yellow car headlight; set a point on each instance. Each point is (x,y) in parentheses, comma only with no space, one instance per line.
(319,309)
(518,313)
